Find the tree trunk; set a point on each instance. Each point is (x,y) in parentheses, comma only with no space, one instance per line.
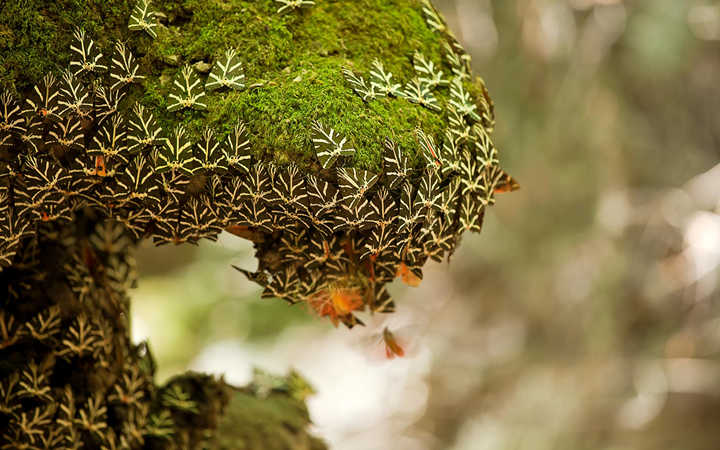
(121,122)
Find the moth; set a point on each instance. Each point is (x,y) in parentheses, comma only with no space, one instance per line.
(11,120)
(429,149)
(355,183)
(473,183)
(352,218)
(176,154)
(410,214)
(44,101)
(461,100)
(31,134)
(226,73)
(417,92)
(144,132)
(366,91)
(293,4)
(382,81)
(255,214)
(393,348)
(74,97)
(209,154)
(87,56)
(433,17)
(110,237)
(486,152)
(107,102)
(428,74)
(137,182)
(429,193)
(471,214)
(450,155)
(323,199)
(111,142)
(459,63)
(329,146)
(143,19)
(458,128)
(198,221)
(395,164)
(124,68)
(188,91)
(44,178)
(237,148)
(290,189)
(66,134)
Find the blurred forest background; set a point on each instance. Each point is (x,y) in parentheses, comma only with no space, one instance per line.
(585,316)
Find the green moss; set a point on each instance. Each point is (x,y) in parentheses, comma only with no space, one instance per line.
(276,422)
(294,58)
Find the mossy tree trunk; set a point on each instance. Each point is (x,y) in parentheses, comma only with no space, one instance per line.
(113,149)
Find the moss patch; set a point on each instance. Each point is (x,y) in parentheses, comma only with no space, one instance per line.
(294,59)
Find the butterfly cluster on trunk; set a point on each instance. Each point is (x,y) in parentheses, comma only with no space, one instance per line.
(332,238)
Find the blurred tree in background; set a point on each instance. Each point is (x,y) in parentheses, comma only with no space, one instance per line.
(587,314)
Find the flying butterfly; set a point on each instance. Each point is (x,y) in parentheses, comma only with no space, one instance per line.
(506,183)
(337,302)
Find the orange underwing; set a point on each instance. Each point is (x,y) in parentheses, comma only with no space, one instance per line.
(506,183)
(407,276)
(392,346)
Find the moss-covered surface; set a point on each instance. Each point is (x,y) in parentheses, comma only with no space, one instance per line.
(292,60)
(275,422)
